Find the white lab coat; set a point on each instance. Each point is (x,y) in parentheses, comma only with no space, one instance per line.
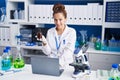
(66,45)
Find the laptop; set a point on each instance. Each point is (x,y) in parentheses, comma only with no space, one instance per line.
(45,65)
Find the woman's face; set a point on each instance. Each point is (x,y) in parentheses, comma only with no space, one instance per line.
(59,20)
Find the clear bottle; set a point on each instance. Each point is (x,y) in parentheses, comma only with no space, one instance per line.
(6,63)
(114,73)
(10,54)
(112,42)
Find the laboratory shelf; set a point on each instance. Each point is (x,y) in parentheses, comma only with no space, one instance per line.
(31,47)
(92,50)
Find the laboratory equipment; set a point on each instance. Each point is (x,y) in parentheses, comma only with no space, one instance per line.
(45,65)
(98,44)
(114,73)
(80,64)
(83,37)
(6,63)
(15,14)
(18,61)
(10,55)
(18,39)
(39,36)
(26,34)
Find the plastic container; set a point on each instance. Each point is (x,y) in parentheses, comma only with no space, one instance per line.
(10,55)
(6,63)
(98,44)
(104,46)
(114,73)
(15,14)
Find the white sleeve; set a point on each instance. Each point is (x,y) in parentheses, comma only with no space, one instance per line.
(46,49)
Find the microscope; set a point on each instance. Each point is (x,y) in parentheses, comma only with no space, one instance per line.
(80,64)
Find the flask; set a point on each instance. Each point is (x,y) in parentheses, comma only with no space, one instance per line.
(18,61)
(6,63)
(10,54)
(98,44)
(114,73)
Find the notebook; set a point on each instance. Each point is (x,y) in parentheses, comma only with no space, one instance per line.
(45,65)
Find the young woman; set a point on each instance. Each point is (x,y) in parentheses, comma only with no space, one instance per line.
(60,40)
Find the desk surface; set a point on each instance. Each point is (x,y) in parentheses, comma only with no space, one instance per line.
(26,74)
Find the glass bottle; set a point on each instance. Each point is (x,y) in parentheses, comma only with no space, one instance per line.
(114,73)
(6,63)
(10,54)
(98,44)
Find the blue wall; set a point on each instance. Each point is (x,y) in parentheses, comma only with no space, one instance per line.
(2,4)
(69,2)
(91,30)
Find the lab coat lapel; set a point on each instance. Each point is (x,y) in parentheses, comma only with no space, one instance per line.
(55,36)
(64,34)
(63,38)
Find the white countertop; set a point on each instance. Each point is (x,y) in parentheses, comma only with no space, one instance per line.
(26,74)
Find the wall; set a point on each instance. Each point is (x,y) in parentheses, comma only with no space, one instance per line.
(2,4)
(96,30)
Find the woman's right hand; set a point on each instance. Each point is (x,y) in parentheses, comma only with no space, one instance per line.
(44,41)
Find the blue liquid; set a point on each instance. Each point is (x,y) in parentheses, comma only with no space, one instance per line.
(6,65)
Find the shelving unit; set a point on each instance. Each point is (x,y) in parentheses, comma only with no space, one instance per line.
(8,33)
(28,51)
(110,11)
(99,59)
(16,13)
(77,14)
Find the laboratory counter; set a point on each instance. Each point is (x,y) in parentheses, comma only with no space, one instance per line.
(26,74)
